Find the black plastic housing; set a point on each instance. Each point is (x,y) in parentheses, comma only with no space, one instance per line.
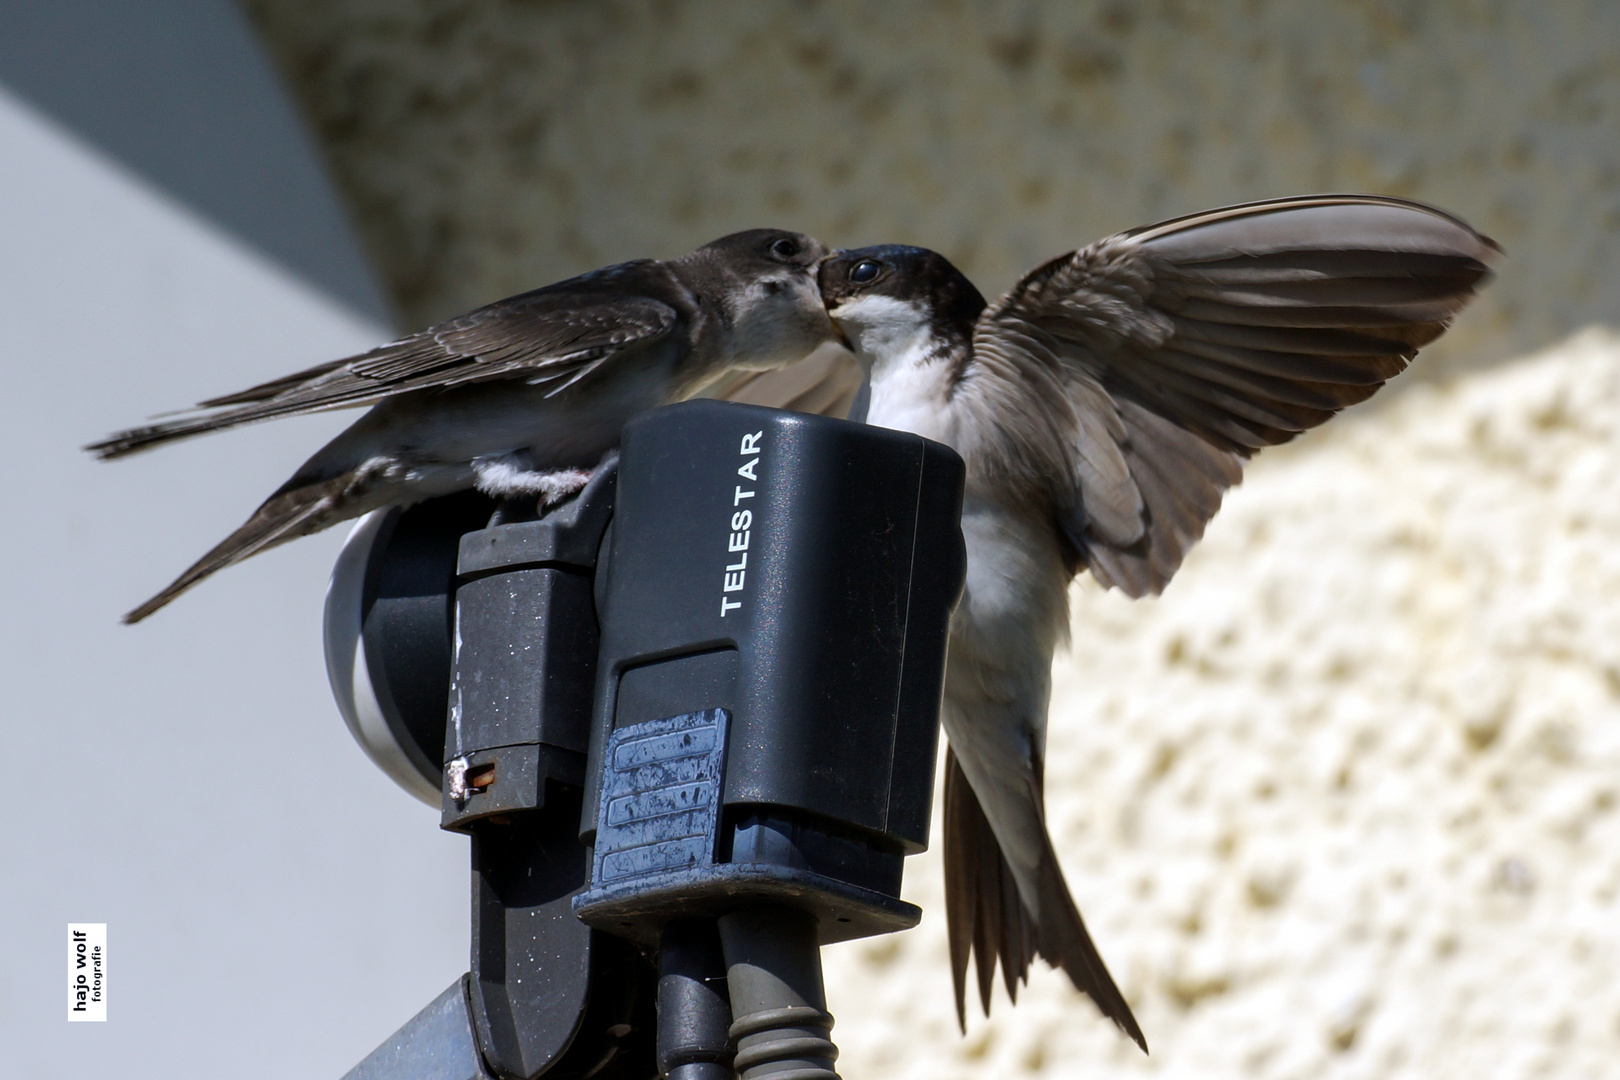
(793,576)
(837,642)
(524,658)
(407,621)
(548,995)
(709,683)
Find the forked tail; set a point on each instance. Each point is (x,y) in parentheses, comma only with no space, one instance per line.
(985,915)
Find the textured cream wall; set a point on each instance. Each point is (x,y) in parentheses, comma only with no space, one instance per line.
(1343,803)
(490,147)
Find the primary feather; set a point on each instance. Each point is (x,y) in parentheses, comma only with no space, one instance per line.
(1187,346)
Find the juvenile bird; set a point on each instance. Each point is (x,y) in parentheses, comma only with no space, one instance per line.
(1103,406)
(520,397)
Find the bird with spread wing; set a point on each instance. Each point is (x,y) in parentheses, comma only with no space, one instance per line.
(1103,406)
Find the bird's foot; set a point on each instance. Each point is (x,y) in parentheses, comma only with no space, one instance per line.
(509,477)
(561,486)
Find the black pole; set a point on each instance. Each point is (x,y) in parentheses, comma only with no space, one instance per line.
(694,1009)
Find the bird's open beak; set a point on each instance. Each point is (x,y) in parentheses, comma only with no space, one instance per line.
(839,335)
(838,331)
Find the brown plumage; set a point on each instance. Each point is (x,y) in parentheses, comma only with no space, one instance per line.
(1103,407)
(516,397)
(286,515)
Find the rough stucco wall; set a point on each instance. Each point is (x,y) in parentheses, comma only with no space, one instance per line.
(489,147)
(1345,802)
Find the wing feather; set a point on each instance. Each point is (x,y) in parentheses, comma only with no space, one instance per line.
(1191,344)
(558,335)
(825,382)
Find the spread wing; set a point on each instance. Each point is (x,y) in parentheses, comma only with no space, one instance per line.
(551,337)
(1180,349)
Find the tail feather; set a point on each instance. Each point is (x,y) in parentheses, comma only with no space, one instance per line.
(985,916)
(286,515)
(1062,940)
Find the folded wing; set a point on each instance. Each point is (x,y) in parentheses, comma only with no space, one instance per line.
(1184,347)
(552,337)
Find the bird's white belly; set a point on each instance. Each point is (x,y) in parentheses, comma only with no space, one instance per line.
(1014,607)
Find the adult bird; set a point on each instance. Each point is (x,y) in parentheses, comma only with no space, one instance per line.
(1103,406)
(518,398)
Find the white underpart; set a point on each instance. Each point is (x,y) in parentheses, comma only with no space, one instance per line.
(1014,604)
(910,382)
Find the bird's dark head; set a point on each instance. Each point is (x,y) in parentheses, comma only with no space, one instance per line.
(764,283)
(763,250)
(883,296)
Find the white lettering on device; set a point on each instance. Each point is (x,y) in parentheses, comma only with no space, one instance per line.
(742,523)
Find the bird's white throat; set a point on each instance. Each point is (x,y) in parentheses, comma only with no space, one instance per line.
(909,371)
(884,330)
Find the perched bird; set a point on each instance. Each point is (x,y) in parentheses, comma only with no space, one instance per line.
(518,398)
(1103,406)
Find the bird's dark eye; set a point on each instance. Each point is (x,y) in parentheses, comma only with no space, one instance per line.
(785,248)
(864,271)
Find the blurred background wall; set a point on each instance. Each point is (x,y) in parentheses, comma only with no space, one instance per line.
(1341,804)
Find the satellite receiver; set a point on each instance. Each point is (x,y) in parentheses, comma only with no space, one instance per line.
(689,720)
